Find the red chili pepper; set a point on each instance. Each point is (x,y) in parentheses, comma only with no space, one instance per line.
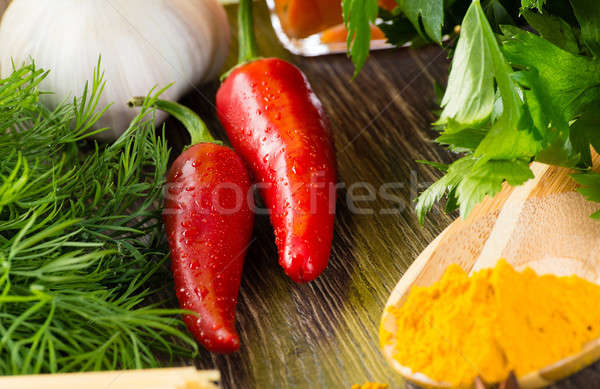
(277,124)
(209,224)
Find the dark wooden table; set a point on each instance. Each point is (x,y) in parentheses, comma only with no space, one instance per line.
(325,334)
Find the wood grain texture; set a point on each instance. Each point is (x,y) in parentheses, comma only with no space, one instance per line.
(325,334)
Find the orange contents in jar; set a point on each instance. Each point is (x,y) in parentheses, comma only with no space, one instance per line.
(301,18)
(337,34)
(387,4)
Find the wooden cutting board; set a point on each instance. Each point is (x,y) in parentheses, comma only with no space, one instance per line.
(543,224)
(324,334)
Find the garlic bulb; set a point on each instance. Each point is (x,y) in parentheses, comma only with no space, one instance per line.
(143,43)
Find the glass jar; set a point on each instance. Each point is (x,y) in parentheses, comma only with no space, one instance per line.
(315,27)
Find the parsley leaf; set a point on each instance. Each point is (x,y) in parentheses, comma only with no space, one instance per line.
(398,30)
(482,112)
(510,98)
(429,12)
(497,14)
(588,15)
(583,133)
(528,4)
(590,188)
(558,86)
(448,182)
(358,16)
(553,29)
(485,179)
(571,81)
(506,141)
(426,19)
(469,97)
(463,141)
(468,181)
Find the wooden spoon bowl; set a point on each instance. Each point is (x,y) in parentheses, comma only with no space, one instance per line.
(544,224)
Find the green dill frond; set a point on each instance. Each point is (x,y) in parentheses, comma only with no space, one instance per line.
(82,253)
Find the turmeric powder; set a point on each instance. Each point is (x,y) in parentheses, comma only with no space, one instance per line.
(492,322)
(370,385)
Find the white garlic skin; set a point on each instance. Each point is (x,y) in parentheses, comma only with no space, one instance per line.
(143,43)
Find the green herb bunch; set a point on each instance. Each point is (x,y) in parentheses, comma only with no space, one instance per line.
(82,274)
(514,94)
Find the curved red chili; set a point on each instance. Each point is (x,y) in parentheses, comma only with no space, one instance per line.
(277,124)
(209,225)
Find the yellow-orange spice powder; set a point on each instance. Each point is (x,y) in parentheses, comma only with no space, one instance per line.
(370,385)
(492,322)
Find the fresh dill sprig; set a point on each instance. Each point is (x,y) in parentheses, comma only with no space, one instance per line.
(82,252)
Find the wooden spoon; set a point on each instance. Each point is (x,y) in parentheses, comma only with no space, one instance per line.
(543,224)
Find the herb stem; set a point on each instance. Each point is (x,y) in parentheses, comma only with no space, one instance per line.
(247,39)
(195,126)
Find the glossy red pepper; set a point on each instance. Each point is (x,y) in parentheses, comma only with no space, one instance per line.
(209,225)
(277,124)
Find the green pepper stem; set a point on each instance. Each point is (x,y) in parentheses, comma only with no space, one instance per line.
(194,125)
(248,49)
